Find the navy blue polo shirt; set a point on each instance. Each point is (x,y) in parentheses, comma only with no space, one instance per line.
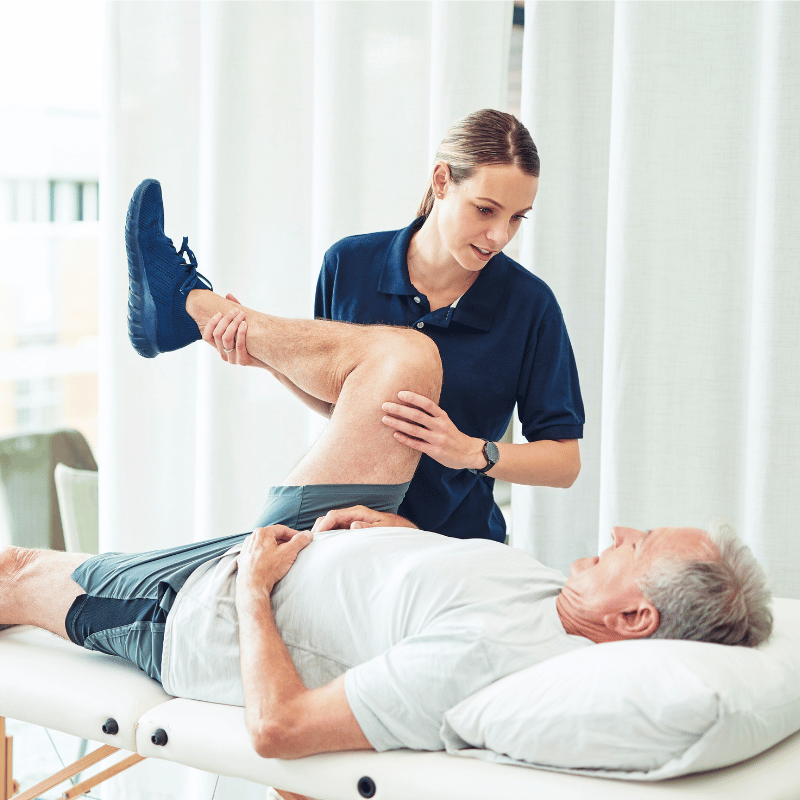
(504,344)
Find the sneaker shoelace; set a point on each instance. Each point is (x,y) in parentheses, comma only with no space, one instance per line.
(191,265)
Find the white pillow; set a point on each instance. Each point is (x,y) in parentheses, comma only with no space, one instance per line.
(640,710)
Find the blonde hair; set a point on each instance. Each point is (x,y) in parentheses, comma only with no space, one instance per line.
(482,138)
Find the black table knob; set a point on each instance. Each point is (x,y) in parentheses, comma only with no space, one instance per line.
(110,727)
(366,786)
(159,737)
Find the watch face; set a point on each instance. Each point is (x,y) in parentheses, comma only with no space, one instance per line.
(491,452)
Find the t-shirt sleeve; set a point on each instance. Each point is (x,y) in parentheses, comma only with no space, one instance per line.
(399,698)
(323,300)
(549,400)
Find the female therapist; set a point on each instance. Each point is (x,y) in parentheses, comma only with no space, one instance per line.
(499,330)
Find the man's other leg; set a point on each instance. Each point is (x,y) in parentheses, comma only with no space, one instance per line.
(355,367)
(36,587)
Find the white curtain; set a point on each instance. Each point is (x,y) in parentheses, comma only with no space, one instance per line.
(667,224)
(275,128)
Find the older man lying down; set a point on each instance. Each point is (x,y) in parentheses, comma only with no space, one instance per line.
(360,638)
(371,635)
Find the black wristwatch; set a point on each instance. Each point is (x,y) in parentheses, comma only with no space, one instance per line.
(492,456)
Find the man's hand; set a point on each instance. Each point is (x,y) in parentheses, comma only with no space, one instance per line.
(284,718)
(359,517)
(266,556)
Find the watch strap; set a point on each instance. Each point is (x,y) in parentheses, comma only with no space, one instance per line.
(490,462)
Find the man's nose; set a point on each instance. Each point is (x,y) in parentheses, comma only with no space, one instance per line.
(622,535)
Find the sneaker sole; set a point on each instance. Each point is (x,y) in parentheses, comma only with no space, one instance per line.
(142,317)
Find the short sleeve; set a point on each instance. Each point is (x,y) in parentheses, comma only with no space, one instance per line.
(399,698)
(323,300)
(549,400)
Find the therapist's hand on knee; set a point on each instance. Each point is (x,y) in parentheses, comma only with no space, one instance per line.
(422,425)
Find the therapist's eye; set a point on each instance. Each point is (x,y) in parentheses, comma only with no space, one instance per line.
(483,210)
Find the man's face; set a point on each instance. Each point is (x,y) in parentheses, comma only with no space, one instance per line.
(605,585)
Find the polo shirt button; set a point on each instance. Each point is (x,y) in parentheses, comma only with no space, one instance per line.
(420,325)
(417,300)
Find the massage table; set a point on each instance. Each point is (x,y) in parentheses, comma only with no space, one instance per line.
(50,682)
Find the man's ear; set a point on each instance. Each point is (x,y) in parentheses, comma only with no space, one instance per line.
(635,622)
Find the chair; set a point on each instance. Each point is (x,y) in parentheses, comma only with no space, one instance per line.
(77,501)
(30,505)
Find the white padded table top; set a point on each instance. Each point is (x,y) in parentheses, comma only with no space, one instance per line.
(213,737)
(51,682)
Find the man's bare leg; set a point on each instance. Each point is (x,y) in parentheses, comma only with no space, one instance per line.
(36,588)
(355,367)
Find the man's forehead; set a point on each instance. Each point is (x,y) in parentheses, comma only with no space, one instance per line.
(678,540)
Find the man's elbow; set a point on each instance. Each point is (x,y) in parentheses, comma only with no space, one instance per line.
(276,739)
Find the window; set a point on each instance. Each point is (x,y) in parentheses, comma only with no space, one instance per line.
(49,168)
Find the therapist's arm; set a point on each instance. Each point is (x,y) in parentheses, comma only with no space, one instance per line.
(422,425)
(546,463)
(284,718)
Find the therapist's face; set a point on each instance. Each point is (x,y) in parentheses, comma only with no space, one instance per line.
(478,217)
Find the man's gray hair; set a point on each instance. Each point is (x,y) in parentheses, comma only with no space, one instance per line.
(725,600)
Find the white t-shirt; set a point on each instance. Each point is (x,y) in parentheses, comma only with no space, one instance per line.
(418,621)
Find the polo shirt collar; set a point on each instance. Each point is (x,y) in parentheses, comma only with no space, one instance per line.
(479,304)
(394,275)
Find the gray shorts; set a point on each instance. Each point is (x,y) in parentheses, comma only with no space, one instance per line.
(128,595)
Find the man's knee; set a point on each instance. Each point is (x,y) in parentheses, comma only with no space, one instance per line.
(430,361)
(16,566)
(15,561)
(410,359)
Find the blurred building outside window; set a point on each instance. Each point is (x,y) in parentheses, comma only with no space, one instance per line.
(51,55)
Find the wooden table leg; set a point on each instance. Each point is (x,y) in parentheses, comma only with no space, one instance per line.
(90,783)
(73,769)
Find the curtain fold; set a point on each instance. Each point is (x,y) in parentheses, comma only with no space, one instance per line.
(666,225)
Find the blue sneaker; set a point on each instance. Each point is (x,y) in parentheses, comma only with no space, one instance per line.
(158,278)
